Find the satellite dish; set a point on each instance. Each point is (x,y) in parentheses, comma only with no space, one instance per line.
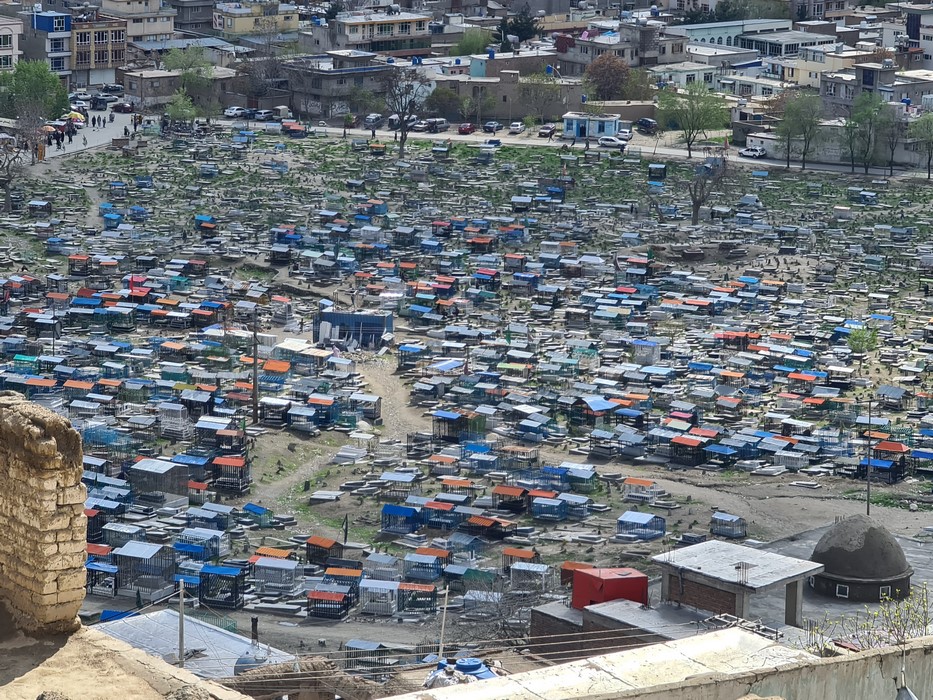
(37,7)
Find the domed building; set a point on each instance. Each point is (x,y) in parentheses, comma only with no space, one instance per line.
(862,562)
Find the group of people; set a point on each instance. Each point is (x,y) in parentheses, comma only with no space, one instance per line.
(101,121)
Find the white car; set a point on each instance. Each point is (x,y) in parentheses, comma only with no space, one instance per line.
(107,98)
(516,128)
(79,96)
(753,152)
(624,134)
(235,112)
(79,104)
(611,142)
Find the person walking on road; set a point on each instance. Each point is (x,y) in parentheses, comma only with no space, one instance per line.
(84,140)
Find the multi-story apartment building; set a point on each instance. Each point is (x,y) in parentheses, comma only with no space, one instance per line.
(638,42)
(193,15)
(727,33)
(840,90)
(47,37)
(98,46)
(322,85)
(235,19)
(10,30)
(813,61)
(146,20)
(394,32)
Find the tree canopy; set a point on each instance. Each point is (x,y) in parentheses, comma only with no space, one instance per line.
(800,127)
(405,91)
(443,101)
(922,131)
(473,41)
(537,91)
(32,94)
(694,111)
(607,75)
(180,108)
(195,69)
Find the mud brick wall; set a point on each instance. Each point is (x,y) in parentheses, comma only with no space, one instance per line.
(42,522)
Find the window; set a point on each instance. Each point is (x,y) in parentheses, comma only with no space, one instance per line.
(354,29)
(707,77)
(119,36)
(868,77)
(385,29)
(229,23)
(691,78)
(58,25)
(137,21)
(287,18)
(100,37)
(6,61)
(728,41)
(719,41)
(83,38)
(82,58)
(884,592)
(6,41)
(404,28)
(830,90)
(118,55)
(842,591)
(57,46)
(57,63)
(421,25)
(101,56)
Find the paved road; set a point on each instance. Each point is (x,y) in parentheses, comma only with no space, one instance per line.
(96,138)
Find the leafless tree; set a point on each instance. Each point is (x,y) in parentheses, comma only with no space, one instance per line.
(12,161)
(405,92)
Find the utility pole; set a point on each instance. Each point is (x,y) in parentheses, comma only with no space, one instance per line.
(255,365)
(868,465)
(440,646)
(181,624)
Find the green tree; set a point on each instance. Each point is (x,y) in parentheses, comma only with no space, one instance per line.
(891,130)
(180,108)
(862,340)
(607,75)
(335,8)
(640,86)
(536,92)
(800,127)
(443,101)
(921,131)
(473,41)
(524,25)
(32,94)
(195,78)
(363,101)
(694,111)
(868,112)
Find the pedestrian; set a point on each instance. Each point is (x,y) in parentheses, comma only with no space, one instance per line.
(550,135)
(586,145)
(573,142)
(126,131)
(70,137)
(84,140)
(111,117)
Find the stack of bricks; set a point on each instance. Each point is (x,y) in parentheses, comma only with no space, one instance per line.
(42,523)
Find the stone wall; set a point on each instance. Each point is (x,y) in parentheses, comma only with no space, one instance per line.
(702,597)
(42,522)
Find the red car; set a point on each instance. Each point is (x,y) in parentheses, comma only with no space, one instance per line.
(466,128)
(124,107)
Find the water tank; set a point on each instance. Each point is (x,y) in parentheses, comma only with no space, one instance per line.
(474,667)
(655,12)
(316,21)
(490,54)
(456,61)
(390,60)
(549,70)
(887,63)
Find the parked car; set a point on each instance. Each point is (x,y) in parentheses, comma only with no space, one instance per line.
(491,127)
(106,97)
(421,125)
(466,128)
(547,130)
(395,122)
(516,128)
(125,107)
(373,121)
(112,88)
(646,126)
(611,142)
(264,115)
(78,123)
(235,112)
(624,134)
(79,96)
(753,152)
(80,104)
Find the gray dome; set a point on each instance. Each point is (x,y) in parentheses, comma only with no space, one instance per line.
(860,549)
